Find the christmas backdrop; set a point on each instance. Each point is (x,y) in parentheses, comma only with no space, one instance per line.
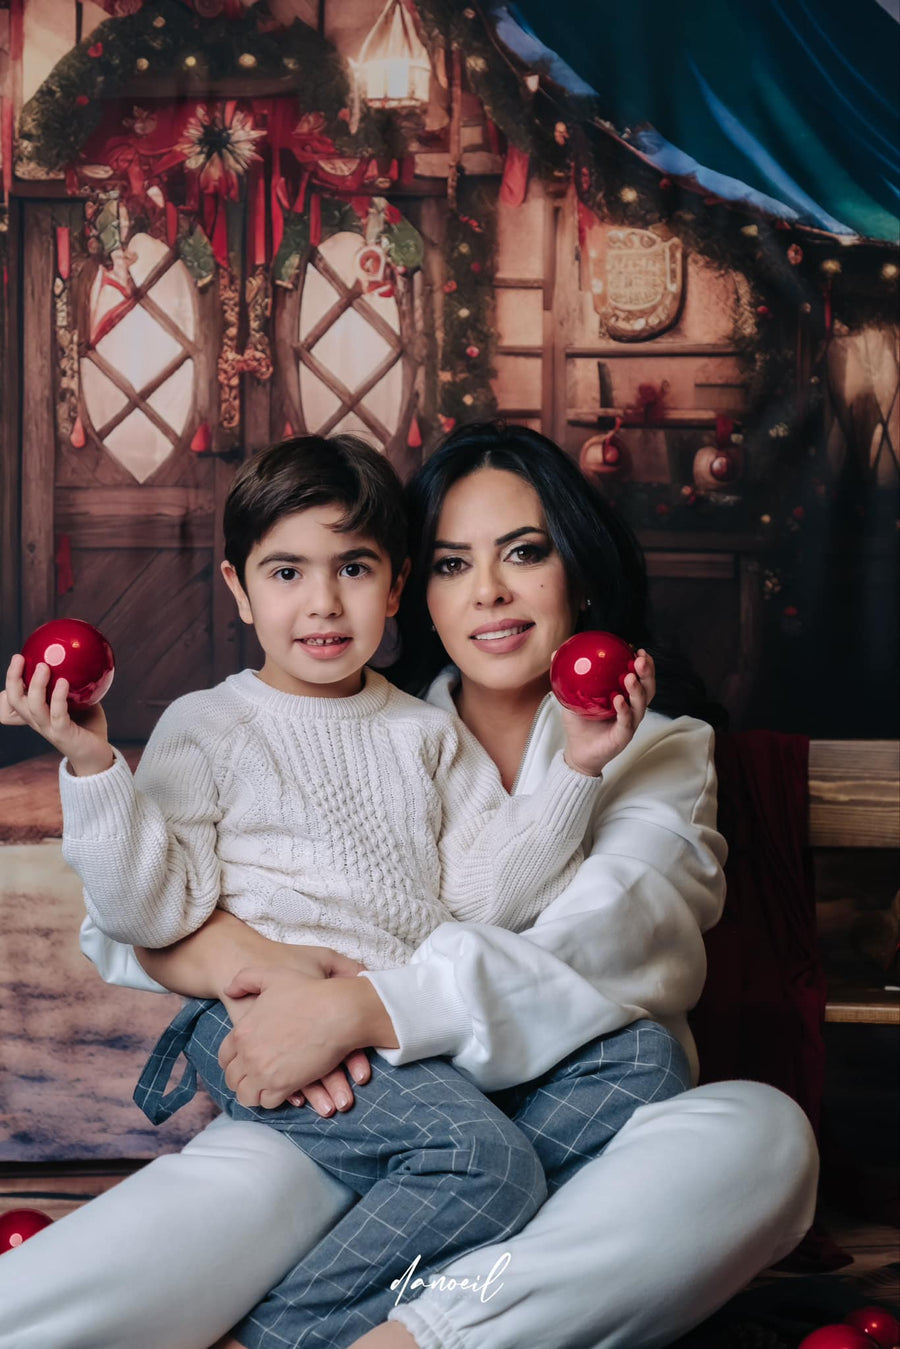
(664,235)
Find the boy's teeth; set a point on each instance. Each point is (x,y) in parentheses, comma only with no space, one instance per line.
(323,641)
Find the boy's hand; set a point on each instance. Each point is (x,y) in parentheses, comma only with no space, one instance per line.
(83,742)
(591,745)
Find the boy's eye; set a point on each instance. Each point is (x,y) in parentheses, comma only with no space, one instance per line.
(448,566)
(354,569)
(286,573)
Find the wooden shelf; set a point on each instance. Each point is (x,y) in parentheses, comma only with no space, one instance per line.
(674,418)
(863,1006)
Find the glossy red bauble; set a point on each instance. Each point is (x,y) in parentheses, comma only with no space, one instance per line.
(724,467)
(837,1337)
(18,1225)
(588,671)
(76,651)
(878,1324)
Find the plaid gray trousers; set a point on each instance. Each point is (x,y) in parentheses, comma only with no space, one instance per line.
(441,1170)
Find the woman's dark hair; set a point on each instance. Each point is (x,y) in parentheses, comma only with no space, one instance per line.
(603,560)
(310,471)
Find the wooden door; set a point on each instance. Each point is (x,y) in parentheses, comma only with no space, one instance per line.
(119,514)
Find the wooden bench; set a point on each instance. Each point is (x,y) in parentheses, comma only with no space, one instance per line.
(854,802)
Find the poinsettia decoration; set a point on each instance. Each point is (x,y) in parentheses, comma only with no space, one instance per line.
(219,145)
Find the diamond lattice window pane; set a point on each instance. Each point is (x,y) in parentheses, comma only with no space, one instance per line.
(138,348)
(139,445)
(385,400)
(319,403)
(351,349)
(173,399)
(104,399)
(174,294)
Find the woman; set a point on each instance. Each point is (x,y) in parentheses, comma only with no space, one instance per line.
(687,1202)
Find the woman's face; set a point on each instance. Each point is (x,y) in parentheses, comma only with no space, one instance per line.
(497,591)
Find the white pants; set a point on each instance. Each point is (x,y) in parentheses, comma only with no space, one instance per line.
(693,1198)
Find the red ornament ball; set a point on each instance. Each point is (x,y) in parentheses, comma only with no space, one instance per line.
(723,467)
(18,1225)
(836,1337)
(588,671)
(878,1324)
(76,651)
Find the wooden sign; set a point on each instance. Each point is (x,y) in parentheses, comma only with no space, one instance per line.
(636,279)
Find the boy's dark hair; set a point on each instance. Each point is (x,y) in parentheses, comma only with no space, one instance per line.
(309,471)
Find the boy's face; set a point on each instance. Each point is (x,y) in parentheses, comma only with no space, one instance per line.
(318,600)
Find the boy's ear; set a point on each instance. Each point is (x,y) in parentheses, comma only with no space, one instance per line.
(397,588)
(237,590)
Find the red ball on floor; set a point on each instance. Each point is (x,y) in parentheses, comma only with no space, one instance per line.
(18,1225)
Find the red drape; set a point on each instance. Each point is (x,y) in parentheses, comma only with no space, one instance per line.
(761,1012)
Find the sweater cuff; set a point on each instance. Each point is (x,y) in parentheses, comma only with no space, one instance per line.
(567,799)
(426,1007)
(100,806)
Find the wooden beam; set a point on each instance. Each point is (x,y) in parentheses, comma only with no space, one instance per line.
(10,316)
(863,1006)
(38,422)
(692,566)
(854,793)
(136,517)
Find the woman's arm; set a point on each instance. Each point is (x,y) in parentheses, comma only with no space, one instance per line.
(203,964)
(623,940)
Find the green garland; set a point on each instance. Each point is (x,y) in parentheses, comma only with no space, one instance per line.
(166,40)
(466,366)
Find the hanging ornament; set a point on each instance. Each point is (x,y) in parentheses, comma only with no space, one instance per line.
(78,438)
(393,68)
(718,466)
(605,456)
(373,270)
(202,439)
(414,435)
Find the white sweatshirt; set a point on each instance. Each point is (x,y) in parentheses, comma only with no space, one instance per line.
(360,823)
(623,940)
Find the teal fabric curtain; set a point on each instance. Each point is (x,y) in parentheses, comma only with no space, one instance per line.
(798,99)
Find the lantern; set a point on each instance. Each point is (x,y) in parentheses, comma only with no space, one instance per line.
(394,68)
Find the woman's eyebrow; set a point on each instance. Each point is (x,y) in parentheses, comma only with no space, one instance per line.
(504,538)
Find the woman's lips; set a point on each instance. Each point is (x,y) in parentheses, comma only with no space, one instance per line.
(499,641)
(325,647)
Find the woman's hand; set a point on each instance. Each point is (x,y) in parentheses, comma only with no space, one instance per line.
(334,1091)
(297,1032)
(83,742)
(591,745)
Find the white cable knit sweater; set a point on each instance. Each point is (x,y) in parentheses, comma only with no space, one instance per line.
(359,823)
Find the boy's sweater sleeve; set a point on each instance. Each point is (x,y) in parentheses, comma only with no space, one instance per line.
(624,940)
(504,858)
(145,845)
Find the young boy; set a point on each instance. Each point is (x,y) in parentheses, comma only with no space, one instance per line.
(323,806)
